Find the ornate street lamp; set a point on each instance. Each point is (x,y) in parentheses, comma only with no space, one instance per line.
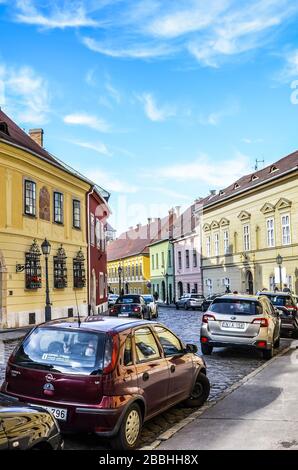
(119,274)
(279,261)
(46,250)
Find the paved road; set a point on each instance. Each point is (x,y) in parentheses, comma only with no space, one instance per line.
(225,367)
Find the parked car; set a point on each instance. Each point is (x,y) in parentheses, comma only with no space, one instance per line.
(112,299)
(241,320)
(286,303)
(207,302)
(24,427)
(130,305)
(152,304)
(188,301)
(106,375)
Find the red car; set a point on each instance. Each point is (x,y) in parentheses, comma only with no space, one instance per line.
(105,375)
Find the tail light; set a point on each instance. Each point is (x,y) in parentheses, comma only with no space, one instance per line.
(111,353)
(261,321)
(204,339)
(136,309)
(113,310)
(207,318)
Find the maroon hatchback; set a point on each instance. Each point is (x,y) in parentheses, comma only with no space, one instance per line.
(106,375)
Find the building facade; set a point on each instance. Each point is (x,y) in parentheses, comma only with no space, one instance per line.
(40,199)
(247,225)
(187,252)
(162,270)
(98,213)
(133,276)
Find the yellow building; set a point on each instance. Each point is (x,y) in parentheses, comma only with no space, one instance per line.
(134,274)
(39,198)
(247,225)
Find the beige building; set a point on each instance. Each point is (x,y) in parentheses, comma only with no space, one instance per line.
(247,225)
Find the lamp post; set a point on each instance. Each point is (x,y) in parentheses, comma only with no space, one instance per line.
(46,250)
(119,274)
(279,261)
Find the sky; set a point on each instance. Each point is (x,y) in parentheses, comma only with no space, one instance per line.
(157,101)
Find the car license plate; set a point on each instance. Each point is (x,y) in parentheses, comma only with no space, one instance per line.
(59,413)
(233,325)
(123,314)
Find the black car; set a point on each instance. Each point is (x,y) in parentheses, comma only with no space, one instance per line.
(130,305)
(27,427)
(207,302)
(286,303)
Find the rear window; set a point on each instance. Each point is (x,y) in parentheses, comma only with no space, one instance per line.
(236,307)
(197,296)
(133,299)
(281,300)
(148,298)
(56,350)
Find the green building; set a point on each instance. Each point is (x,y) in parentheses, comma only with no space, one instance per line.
(162,270)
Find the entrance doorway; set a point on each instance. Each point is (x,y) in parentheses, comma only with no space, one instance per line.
(249,283)
(163,291)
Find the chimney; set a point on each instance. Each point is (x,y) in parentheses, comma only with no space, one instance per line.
(37,136)
(178,210)
(158,228)
(212,192)
(148,228)
(171,222)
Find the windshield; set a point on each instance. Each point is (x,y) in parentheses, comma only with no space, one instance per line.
(57,350)
(236,307)
(133,299)
(148,299)
(281,300)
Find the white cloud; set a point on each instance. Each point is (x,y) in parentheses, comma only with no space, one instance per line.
(206,170)
(139,51)
(113,92)
(25,94)
(153,111)
(249,141)
(87,120)
(90,77)
(110,182)
(98,147)
(214,118)
(73,15)
(290,69)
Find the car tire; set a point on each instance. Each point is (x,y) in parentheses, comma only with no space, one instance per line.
(186,306)
(156,314)
(277,343)
(130,429)
(268,354)
(149,314)
(200,391)
(206,349)
(177,307)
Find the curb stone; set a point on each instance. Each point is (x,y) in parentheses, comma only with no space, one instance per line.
(196,414)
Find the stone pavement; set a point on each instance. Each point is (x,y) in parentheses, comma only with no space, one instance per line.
(261,414)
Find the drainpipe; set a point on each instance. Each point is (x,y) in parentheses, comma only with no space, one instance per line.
(89,250)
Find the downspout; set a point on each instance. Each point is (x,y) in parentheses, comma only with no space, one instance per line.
(88,250)
(174,269)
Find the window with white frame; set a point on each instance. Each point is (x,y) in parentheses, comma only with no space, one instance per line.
(162,259)
(208,284)
(152,261)
(194,258)
(226,242)
(187,258)
(30,197)
(208,246)
(270,232)
(285,229)
(216,244)
(246,237)
(179,260)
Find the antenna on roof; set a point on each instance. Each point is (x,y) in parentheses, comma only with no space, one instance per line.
(257,162)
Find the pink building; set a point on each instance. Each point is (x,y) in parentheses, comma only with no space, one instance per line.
(187,252)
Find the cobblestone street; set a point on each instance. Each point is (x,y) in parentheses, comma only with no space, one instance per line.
(224,368)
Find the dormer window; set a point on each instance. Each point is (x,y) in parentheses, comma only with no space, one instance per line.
(221,192)
(236,186)
(254,178)
(273,169)
(4,127)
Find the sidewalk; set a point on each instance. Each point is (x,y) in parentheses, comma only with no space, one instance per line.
(261,414)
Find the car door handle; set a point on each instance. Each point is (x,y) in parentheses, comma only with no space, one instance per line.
(172,368)
(145,376)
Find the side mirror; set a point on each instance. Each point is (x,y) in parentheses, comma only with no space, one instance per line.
(191,348)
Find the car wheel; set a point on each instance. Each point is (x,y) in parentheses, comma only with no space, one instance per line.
(268,353)
(177,307)
(277,343)
(200,391)
(186,306)
(130,429)
(149,314)
(156,314)
(206,349)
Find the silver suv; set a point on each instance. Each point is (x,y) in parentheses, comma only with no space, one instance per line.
(188,301)
(241,320)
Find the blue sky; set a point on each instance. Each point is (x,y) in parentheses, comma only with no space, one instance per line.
(157,101)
